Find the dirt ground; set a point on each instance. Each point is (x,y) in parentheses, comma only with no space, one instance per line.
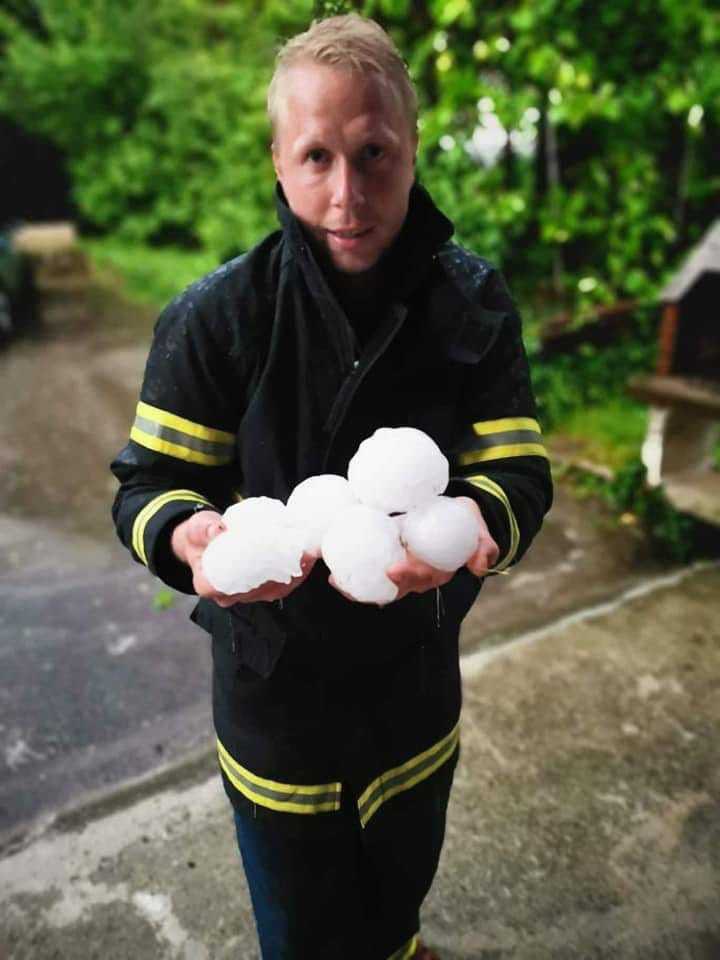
(67,397)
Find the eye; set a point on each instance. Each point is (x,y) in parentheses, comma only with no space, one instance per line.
(316,156)
(373,151)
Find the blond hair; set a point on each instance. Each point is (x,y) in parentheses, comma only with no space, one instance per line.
(350,42)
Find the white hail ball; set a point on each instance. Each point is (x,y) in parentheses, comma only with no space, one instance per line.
(397,469)
(259,545)
(358,548)
(315,503)
(255,509)
(443,532)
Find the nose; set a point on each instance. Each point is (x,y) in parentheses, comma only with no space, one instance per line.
(348,191)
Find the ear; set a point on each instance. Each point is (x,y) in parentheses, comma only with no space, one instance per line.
(276,160)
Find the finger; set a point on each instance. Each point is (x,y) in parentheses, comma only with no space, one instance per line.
(404,570)
(416,576)
(224,600)
(307,562)
(442,577)
(397,573)
(482,560)
(213,528)
(417,568)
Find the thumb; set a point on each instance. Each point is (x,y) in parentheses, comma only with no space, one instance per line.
(214,527)
(484,557)
(204,527)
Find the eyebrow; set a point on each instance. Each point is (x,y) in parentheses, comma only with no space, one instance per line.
(316,141)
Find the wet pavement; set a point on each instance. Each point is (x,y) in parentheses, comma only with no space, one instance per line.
(584,822)
(67,396)
(99,685)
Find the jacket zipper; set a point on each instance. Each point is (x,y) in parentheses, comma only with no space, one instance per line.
(356,377)
(439,607)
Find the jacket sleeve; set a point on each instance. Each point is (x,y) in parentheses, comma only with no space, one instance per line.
(500,460)
(181,454)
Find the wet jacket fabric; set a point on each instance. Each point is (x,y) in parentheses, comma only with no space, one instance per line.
(255,381)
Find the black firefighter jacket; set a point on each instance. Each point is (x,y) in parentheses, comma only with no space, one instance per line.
(256,381)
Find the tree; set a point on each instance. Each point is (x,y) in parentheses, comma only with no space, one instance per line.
(604,120)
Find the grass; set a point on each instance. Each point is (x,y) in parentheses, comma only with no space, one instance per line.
(609,434)
(150,276)
(612,433)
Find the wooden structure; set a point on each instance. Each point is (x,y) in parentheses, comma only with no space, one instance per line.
(605,325)
(684,393)
(59,263)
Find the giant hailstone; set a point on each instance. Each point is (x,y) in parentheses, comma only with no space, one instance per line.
(443,532)
(358,548)
(257,510)
(260,545)
(398,469)
(315,503)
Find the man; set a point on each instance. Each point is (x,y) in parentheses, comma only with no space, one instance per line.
(337,722)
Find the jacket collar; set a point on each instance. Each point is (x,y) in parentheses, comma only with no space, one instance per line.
(424,231)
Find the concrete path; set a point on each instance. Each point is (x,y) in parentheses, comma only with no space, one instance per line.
(584,825)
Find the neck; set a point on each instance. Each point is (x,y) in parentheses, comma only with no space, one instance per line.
(356,285)
(349,286)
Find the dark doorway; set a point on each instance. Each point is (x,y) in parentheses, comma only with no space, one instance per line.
(34,184)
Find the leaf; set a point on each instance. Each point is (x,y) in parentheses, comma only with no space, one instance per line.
(163,600)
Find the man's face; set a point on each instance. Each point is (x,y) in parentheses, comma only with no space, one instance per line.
(344,154)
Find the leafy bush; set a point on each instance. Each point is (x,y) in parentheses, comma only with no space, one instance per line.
(150,275)
(674,536)
(160,111)
(593,376)
(671,533)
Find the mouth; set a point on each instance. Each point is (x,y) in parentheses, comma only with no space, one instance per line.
(348,238)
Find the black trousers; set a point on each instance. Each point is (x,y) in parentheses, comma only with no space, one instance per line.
(324,888)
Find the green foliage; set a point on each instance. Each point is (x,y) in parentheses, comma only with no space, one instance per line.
(592,377)
(671,532)
(330,8)
(610,433)
(150,275)
(674,536)
(630,92)
(160,110)
(163,600)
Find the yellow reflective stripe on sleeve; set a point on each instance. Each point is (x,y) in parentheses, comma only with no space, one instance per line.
(406,951)
(177,437)
(501,451)
(149,511)
(285,797)
(498,439)
(489,486)
(483,427)
(402,778)
(182,425)
(179,451)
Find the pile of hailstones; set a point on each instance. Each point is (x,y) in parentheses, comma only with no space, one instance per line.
(399,471)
